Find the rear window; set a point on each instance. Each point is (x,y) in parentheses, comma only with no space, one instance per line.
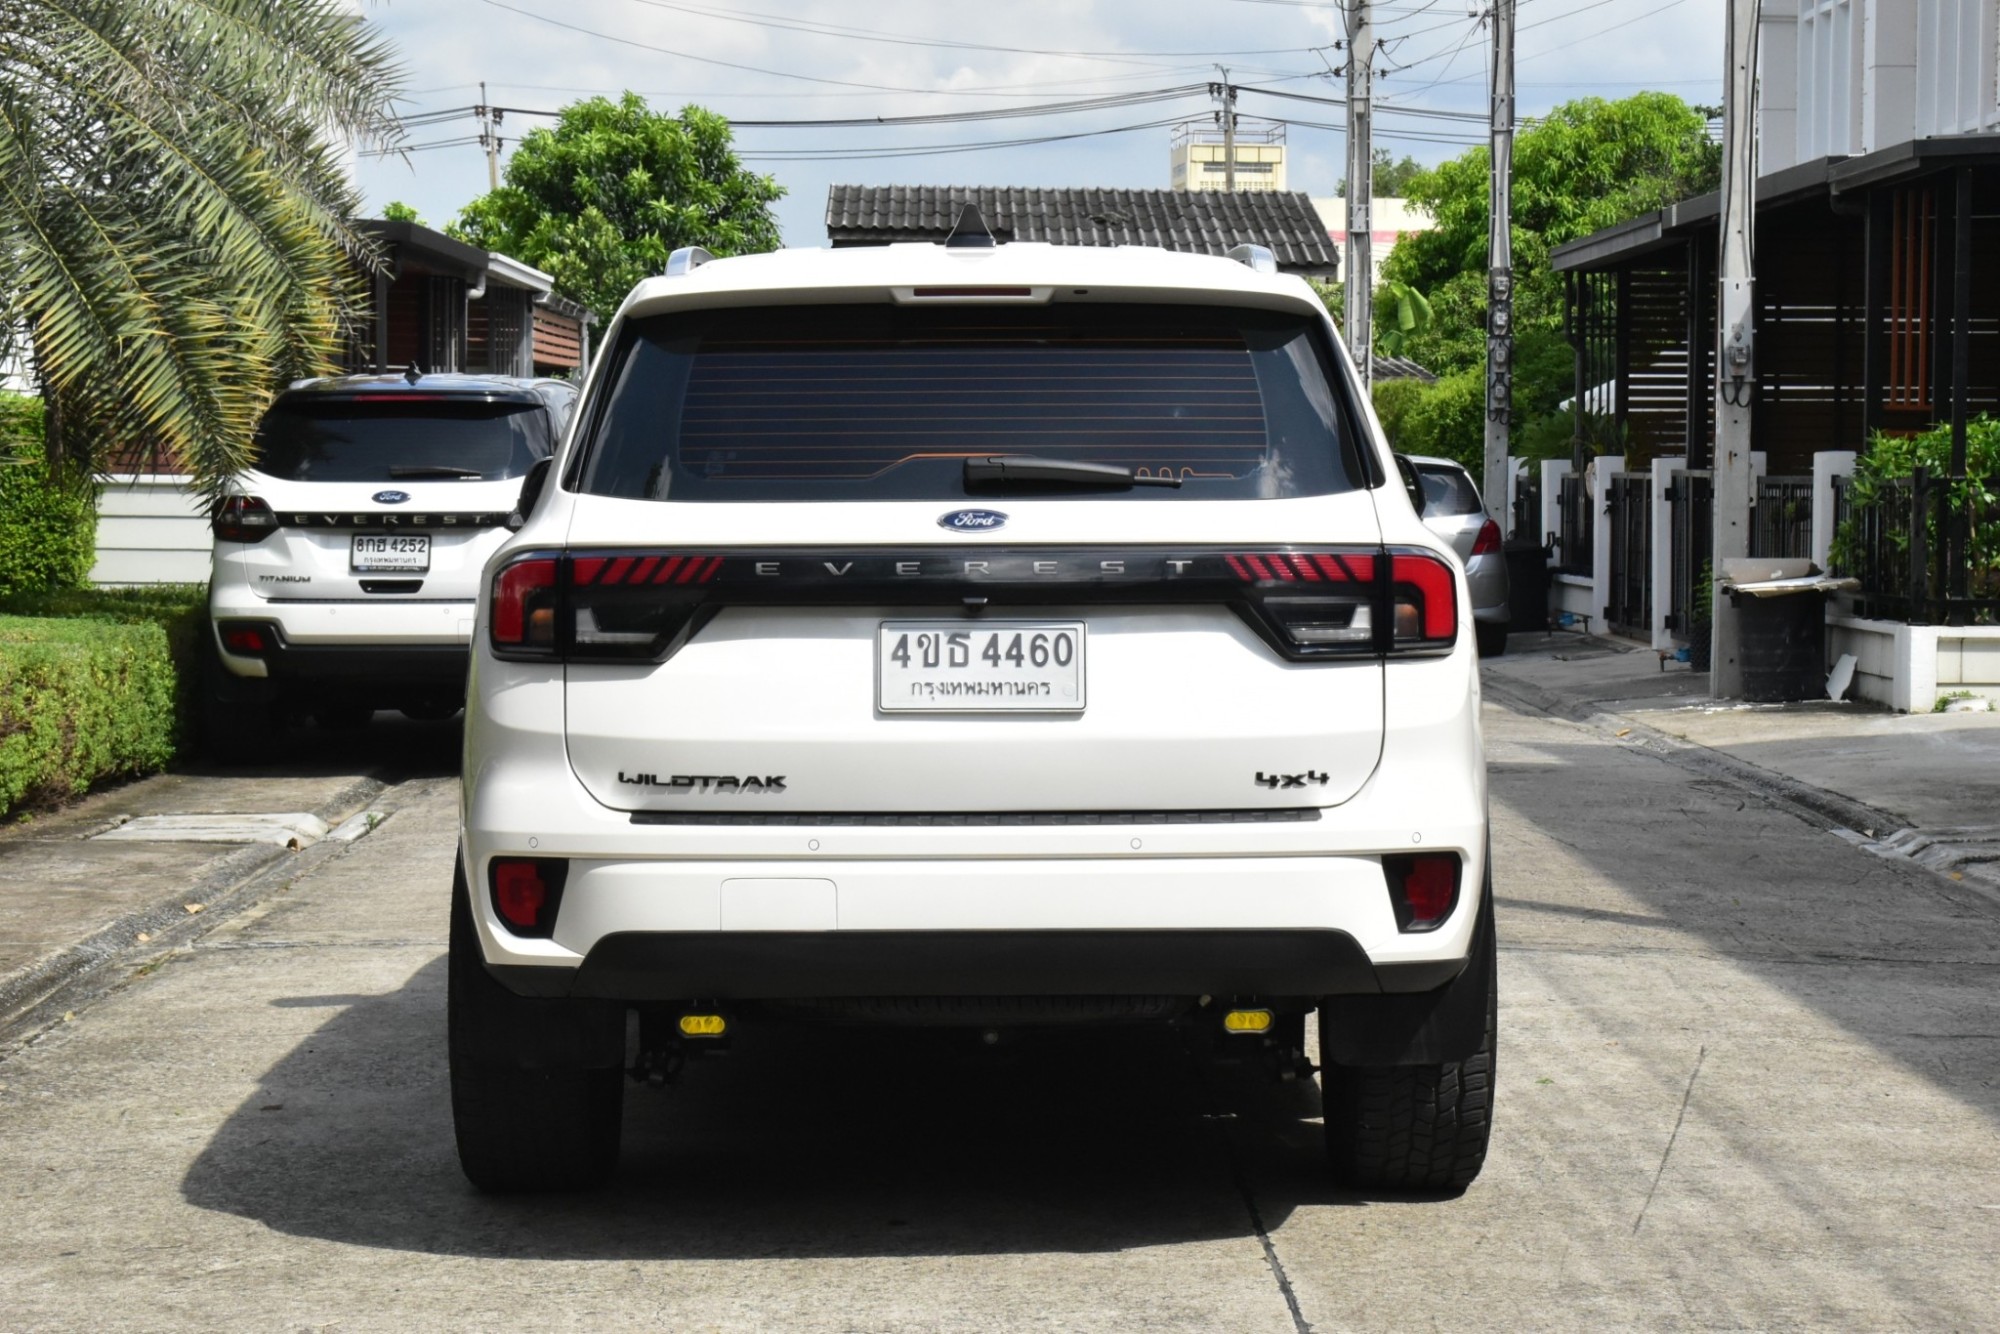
(397,439)
(1448,491)
(884,402)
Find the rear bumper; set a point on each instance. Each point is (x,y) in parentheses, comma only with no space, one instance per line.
(784,965)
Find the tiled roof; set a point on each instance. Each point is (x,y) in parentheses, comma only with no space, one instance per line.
(1203,222)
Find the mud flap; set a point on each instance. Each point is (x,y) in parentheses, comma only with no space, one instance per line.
(1422,1028)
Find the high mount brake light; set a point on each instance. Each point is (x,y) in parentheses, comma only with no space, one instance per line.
(243,519)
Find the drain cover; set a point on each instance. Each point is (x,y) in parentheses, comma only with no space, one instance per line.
(294,828)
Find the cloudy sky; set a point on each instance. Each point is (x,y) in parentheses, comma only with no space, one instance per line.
(1005,70)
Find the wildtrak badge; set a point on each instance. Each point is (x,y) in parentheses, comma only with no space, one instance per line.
(684,784)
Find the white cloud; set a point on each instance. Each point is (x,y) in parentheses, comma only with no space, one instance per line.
(1568,48)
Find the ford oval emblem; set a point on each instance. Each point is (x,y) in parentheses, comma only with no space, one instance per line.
(390,497)
(973,521)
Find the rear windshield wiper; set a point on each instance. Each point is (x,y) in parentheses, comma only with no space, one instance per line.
(1001,469)
(432,470)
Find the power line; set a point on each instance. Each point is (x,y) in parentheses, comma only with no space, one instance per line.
(783,23)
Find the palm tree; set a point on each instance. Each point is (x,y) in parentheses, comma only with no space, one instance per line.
(174,235)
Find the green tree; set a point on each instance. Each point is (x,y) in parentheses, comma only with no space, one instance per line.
(397,211)
(1587,165)
(601,199)
(1390,178)
(173,211)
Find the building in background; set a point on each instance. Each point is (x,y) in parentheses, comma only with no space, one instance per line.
(1393,220)
(438,303)
(1199,156)
(1183,220)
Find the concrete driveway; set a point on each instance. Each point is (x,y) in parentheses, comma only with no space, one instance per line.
(1747,1080)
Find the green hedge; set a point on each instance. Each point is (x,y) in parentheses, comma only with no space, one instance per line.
(80,701)
(48,533)
(96,684)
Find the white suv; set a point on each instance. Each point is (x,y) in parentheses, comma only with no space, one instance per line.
(348,558)
(981,634)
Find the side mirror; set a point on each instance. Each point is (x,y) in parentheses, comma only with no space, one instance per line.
(531,491)
(1412,483)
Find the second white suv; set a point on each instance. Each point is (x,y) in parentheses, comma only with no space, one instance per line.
(992,635)
(348,558)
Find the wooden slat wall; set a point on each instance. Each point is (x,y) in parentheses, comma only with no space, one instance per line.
(558,342)
(1655,388)
(1809,293)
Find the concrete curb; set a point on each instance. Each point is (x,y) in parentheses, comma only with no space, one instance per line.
(226,888)
(1817,806)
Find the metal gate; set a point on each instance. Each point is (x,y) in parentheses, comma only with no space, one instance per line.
(1691,529)
(1783,525)
(1574,544)
(1631,516)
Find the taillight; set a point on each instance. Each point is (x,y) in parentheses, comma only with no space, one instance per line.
(1426,602)
(247,638)
(524,606)
(623,607)
(243,519)
(1488,540)
(1343,603)
(1423,889)
(527,891)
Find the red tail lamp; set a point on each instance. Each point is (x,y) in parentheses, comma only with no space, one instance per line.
(527,891)
(1423,888)
(247,638)
(1488,540)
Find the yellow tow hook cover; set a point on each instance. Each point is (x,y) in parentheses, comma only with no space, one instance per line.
(703,1025)
(1247,1021)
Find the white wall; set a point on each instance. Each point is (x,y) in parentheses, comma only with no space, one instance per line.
(150,530)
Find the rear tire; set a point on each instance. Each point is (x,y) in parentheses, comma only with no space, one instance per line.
(520,1127)
(239,721)
(1492,637)
(1412,1127)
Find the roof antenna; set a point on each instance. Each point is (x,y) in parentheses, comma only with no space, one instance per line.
(970,231)
(414,373)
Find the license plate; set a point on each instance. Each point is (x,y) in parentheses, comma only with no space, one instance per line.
(405,553)
(979,667)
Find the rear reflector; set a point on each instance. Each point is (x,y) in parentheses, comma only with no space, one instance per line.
(527,891)
(247,638)
(1423,889)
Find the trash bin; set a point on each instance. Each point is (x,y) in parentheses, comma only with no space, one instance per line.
(1527,585)
(1781,645)
(1780,625)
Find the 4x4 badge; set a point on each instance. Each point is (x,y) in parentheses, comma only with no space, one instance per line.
(1291,780)
(972,521)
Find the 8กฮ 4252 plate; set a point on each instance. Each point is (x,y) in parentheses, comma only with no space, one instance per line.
(979,667)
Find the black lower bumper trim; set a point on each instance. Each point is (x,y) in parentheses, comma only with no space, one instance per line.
(429,664)
(785,965)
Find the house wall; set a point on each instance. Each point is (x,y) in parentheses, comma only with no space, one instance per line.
(151,529)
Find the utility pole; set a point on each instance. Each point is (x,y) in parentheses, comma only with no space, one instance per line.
(1735,367)
(1360,271)
(1228,113)
(489,137)
(1500,269)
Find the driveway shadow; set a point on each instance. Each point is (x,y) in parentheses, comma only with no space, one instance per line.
(803,1142)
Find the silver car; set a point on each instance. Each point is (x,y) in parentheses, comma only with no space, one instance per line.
(1452,510)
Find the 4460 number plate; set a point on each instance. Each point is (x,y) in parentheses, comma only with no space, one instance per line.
(979,667)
